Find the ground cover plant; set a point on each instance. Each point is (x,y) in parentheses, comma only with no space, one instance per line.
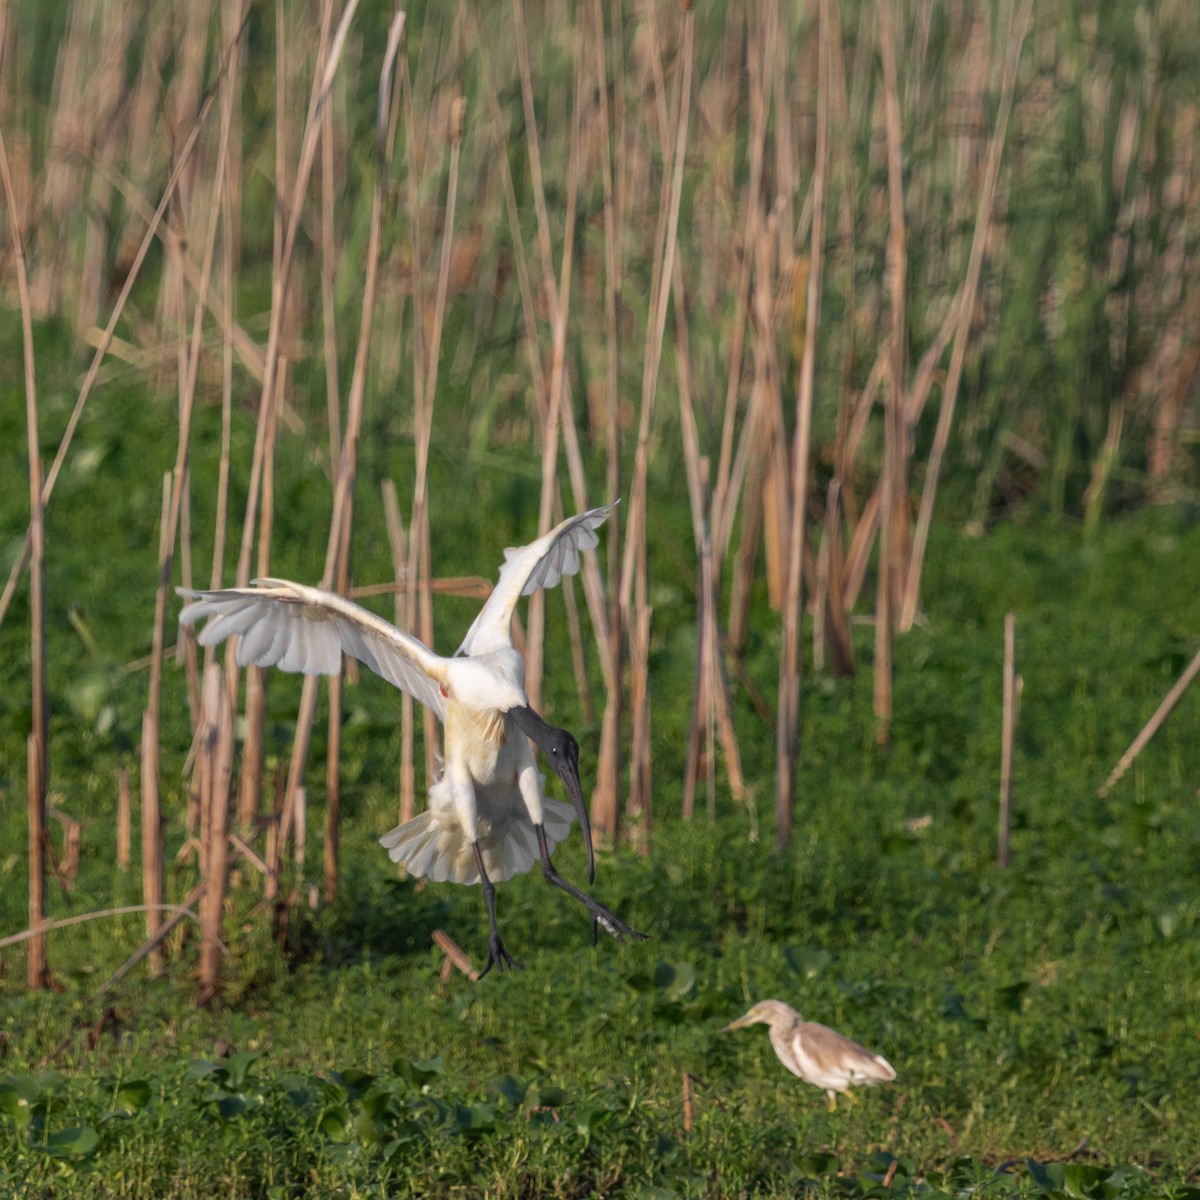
(878,318)
(1043,1013)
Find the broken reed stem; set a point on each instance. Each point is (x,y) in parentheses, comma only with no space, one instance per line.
(26,935)
(455,954)
(979,240)
(1008,734)
(1152,726)
(787,720)
(38,748)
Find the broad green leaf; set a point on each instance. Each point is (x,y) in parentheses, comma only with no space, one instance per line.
(807,961)
(73,1143)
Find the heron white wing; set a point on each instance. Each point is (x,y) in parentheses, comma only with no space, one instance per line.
(541,564)
(305,629)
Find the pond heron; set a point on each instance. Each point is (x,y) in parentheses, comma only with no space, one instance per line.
(816,1053)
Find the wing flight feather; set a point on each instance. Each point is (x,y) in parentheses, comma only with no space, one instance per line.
(541,564)
(306,630)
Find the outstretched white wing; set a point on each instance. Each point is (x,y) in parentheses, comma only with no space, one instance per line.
(541,564)
(305,629)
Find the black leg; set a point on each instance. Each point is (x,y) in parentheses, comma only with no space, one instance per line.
(498,956)
(602,916)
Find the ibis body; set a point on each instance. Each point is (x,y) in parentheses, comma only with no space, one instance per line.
(487,818)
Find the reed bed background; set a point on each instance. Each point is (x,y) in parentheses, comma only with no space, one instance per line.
(840,268)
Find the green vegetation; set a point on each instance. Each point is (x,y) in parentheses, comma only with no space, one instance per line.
(1024,1010)
(1043,1019)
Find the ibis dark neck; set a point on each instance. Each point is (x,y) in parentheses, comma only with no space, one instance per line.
(562,752)
(533,727)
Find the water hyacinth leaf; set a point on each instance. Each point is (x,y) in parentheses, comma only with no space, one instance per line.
(474,1119)
(676,980)
(235,1105)
(1082,1179)
(236,1067)
(133,1095)
(511,1088)
(366,1130)
(1048,1176)
(547,1095)
(73,1143)
(1011,997)
(295,1088)
(335,1122)
(356,1081)
(425,1069)
(807,961)
(1168,922)
(18,1099)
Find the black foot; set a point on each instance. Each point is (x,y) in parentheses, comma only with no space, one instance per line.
(499,957)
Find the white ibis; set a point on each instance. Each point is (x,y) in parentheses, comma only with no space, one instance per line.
(815,1052)
(487,819)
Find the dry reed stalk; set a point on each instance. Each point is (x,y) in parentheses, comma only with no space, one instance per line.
(152,825)
(536,612)
(455,955)
(726,489)
(189,366)
(1015,41)
(150,947)
(634,566)
(68,867)
(218,751)
(555,408)
(893,486)
(335,574)
(107,336)
(787,725)
(553,293)
(37,974)
(124,910)
(604,804)
(1152,726)
(38,749)
(838,646)
(1008,735)
(397,542)
(710,699)
(274,366)
(124,830)
(328,262)
(420,601)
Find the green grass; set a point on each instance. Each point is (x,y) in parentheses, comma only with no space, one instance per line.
(1024,1010)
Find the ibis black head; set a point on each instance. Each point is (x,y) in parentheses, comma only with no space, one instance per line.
(562,752)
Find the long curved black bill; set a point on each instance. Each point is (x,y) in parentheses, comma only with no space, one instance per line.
(568,772)
(562,751)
